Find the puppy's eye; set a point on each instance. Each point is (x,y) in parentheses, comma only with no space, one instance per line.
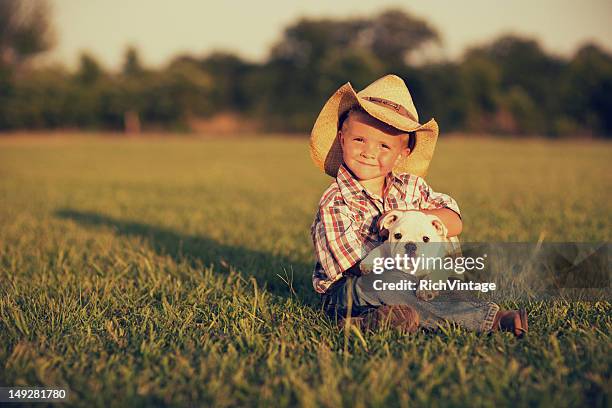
(397,235)
(425,239)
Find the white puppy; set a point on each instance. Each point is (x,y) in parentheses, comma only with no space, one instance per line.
(409,233)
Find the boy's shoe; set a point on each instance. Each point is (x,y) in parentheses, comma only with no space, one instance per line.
(514,321)
(402,317)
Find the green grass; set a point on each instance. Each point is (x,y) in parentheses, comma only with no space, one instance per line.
(177,271)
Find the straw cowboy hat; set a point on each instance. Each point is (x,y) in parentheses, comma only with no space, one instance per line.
(386,99)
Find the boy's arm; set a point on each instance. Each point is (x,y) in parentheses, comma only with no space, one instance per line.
(442,206)
(337,246)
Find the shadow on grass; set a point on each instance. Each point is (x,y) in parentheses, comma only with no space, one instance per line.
(264,267)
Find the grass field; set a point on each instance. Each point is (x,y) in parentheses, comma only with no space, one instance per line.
(177,271)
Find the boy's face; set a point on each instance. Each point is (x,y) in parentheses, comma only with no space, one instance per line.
(369,149)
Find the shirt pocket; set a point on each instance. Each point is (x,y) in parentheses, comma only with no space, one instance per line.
(414,204)
(410,203)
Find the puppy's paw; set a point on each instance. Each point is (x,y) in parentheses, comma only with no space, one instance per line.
(426,295)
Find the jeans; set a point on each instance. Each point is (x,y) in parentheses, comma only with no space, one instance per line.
(460,307)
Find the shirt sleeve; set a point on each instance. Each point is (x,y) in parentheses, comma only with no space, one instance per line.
(337,246)
(431,200)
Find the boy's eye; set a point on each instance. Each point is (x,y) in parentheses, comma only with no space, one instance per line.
(384,146)
(358,139)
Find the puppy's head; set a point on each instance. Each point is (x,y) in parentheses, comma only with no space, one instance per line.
(411,228)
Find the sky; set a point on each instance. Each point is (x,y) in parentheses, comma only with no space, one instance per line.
(162,29)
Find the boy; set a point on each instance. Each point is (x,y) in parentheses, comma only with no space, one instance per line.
(378,152)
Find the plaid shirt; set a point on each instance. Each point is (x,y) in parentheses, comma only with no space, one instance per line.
(344,229)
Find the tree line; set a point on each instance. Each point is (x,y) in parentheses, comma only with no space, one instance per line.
(509,86)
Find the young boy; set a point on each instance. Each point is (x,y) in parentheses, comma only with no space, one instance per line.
(378,152)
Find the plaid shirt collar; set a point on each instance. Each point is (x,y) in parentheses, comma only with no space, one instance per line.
(354,193)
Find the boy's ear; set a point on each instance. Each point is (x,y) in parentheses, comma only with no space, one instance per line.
(403,154)
(406,149)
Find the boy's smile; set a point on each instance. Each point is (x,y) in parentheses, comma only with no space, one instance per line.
(370,149)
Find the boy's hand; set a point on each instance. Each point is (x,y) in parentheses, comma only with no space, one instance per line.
(365,268)
(366,265)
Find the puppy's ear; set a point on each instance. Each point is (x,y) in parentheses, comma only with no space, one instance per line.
(439,226)
(385,221)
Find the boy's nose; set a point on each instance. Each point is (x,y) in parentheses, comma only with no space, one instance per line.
(368,151)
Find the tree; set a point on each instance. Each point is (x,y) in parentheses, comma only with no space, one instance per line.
(480,79)
(391,36)
(516,83)
(587,89)
(395,35)
(132,67)
(315,56)
(228,73)
(25,30)
(440,91)
(89,70)
(176,93)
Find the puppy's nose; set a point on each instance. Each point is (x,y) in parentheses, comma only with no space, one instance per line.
(411,247)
